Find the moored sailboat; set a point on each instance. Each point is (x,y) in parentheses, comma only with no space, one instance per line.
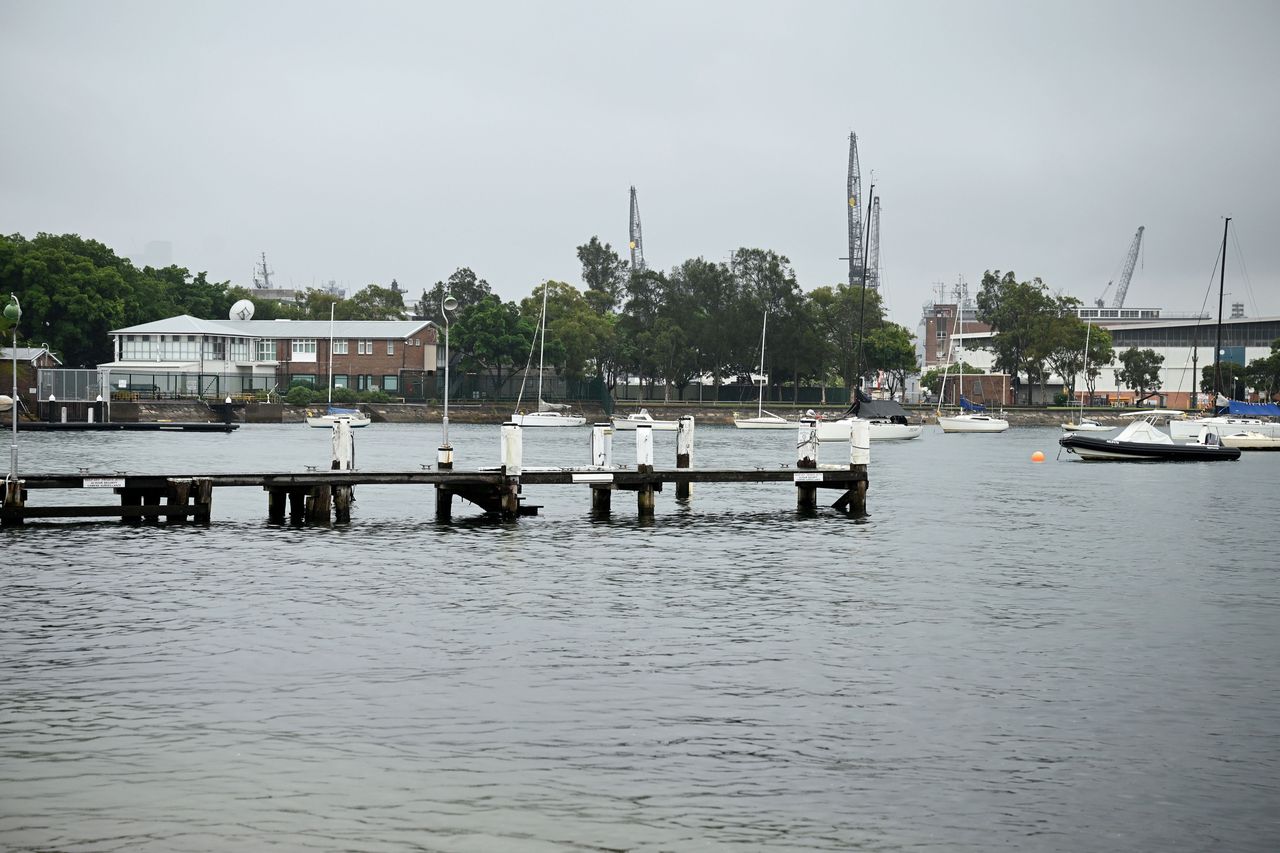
(548,414)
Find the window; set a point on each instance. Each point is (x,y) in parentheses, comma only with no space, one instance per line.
(391,347)
(390,383)
(339,380)
(340,347)
(304,349)
(364,382)
(303,377)
(364,347)
(266,350)
(942,332)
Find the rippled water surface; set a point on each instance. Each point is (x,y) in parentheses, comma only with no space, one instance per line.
(1063,657)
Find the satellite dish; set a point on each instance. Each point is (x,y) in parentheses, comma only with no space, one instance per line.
(242,310)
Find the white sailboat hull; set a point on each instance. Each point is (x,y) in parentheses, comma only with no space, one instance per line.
(765,422)
(879,430)
(1087,426)
(972,423)
(547,419)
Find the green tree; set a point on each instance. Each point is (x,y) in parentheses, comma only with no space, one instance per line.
(932,378)
(604,273)
(1140,370)
(1021,315)
(1066,351)
(1263,374)
(889,349)
(373,303)
(1234,378)
(491,337)
(463,285)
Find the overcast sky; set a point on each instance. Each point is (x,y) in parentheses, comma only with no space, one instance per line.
(362,142)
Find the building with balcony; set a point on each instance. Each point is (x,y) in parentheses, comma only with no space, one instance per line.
(185,356)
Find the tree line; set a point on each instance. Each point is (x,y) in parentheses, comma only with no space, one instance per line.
(701,318)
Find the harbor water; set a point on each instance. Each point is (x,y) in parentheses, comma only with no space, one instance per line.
(1047,657)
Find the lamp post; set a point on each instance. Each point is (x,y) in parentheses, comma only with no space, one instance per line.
(13,313)
(444,456)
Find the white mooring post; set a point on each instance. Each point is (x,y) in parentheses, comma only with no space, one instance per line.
(860,443)
(343,444)
(444,457)
(602,445)
(806,459)
(684,453)
(512,466)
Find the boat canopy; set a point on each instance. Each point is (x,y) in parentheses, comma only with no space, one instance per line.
(865,407)
(971,407)
(1256,410)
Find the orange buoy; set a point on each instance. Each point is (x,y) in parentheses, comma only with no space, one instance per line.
(1037,456)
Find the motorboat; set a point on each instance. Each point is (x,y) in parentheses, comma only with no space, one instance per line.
(631,421)
(1185,429)
(1087,425)
(353,417)
(1251,440)
(1143,441)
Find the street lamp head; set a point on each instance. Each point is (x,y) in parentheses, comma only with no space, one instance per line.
(449,303)
(13,311)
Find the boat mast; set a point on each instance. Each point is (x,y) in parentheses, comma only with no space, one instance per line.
(332,306)
(542,344)
(1217,348)
(1088,327)
(760,398)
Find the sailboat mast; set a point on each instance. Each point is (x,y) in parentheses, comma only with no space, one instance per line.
(542,345)
(1217,349)
(332,306)
(1088,327)
(760,397)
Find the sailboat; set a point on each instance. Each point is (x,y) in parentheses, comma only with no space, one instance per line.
(548,414)
(763,419)
(972,416)
(1230,416)
(1083,424)
(333,414)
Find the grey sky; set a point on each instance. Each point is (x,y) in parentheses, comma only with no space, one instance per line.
(361,142)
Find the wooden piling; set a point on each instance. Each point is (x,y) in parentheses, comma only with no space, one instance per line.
(684,454)
(276,497)
(319,502)
(343,497)
(202,498)
(14,501)
(297,505)
(444,502)
(601,499)
(602,445)
(176,500)
(645,500)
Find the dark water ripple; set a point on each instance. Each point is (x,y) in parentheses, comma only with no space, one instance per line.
(1006,656)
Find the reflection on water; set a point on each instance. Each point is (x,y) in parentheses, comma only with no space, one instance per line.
(1047,657)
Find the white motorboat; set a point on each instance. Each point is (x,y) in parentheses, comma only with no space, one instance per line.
(548,414)
(1086,425)
(1250,440)
(1142,441)
(763,419)
(1186,429)
(631,421)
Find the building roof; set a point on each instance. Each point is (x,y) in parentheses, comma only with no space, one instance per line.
(27,353)
(185,324)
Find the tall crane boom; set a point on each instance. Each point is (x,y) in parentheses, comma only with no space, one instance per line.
(1127,273)
(854,196)
(637,240)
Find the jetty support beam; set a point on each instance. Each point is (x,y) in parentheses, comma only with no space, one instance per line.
(806,459)
(684,454)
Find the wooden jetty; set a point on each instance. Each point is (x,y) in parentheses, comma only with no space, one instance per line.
(321,497)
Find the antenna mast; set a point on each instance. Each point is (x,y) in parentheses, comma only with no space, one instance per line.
(637,239)
(854,197)
(262,275)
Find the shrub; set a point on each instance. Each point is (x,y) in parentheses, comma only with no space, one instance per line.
(344,395)
(300,395)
